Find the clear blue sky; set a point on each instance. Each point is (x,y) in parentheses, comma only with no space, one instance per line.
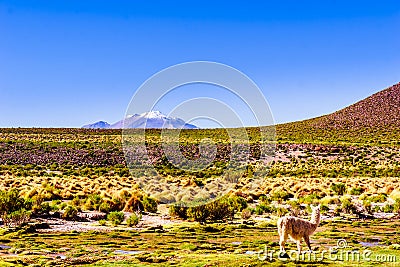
(68,63)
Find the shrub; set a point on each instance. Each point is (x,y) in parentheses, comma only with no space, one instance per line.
(54,206)
(281,196)
(133,220)
(262,208)
(337,210)
(70,213)
(388,208)
(367,206)
(76,201)
(330,200)
(395,246)
(246,213)
(116,217)
(10,201)
(133,204)
(220,210)
(339,188)
(45,208)
(102,222)
(88,205)
(280,211)
(39,207)
(356,191)
(93,202)
(238,203)
(178,211)
(17,218)
(13,208)
(378,198)
(64,205)
(377,209)
(123,194)
(309,199)
(395,194)
(198,213)
(50,192)
(324,208)
(29,202)
(149,204)
(396,206)
(264,200)
(116,204)
(104,207)
(348,206)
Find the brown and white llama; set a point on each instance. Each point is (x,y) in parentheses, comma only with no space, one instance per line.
(298,229)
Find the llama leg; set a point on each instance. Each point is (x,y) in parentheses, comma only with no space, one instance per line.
(298,243)
(307,240)
(279,224)
(280,232)
(282,241)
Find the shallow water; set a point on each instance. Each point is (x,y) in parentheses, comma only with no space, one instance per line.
(128,252)
(60,256)
(4,247)
(369,244)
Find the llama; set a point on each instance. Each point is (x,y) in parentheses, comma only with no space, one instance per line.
(297,229)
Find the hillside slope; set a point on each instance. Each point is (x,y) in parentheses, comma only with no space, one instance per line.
(379,110)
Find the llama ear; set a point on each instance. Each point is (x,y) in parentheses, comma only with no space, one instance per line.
(315,206)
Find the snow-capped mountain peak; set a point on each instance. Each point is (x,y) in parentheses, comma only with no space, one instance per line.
(151,119)
(154,114)
(131,115)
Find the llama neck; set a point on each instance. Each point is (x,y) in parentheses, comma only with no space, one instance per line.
(315,218)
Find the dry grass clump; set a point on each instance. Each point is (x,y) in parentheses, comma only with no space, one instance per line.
(395,194)
(328,200)
(65,187)
(322,187)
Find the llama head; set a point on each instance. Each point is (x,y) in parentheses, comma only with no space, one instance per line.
(316,207)
(316,213)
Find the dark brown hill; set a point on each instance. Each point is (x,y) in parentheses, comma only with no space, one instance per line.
(381,109)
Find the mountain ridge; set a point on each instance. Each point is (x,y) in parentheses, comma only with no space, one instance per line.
(97,125)
(149,120)
(381,109)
